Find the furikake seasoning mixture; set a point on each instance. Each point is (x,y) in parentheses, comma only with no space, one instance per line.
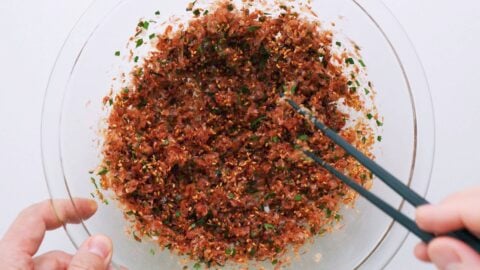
(202,153)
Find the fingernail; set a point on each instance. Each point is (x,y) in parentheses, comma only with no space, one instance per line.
(100,245)
(446,259)
(111,267)
(423,215)
(425,210)
(93,205)
(453,266)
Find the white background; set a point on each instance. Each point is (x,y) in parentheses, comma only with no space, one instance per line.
(446,34)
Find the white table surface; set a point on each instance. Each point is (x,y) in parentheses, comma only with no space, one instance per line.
(446,34)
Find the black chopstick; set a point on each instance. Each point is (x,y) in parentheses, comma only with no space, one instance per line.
(403,190)
(382,205)
(411,196)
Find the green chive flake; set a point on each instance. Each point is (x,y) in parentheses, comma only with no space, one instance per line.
(117,53)
(230,251)
(103,171)
(298,197)
(256,123)
(268,226)
(94,182)
(293,90)
(244,90)
(270,195)
(253,28)
(303,137)
(144,24)
(139,43)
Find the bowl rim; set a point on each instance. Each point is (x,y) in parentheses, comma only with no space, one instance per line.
(380,15)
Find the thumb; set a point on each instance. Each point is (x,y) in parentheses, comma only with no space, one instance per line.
(94,254)
(451,254)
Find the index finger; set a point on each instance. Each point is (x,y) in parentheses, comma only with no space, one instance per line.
(458,212)
(27,231)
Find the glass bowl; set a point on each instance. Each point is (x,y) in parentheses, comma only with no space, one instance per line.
(82,76)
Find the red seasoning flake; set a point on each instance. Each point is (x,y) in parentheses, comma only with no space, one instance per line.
(203,154)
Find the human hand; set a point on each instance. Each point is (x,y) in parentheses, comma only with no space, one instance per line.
(458,211)
(22,240)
